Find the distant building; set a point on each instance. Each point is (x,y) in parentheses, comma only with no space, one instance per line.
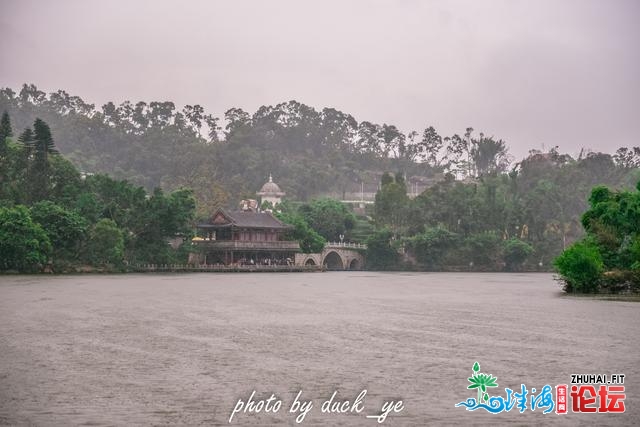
(247,236)
(243,238)
(270,192)
(253,237)
(249,205)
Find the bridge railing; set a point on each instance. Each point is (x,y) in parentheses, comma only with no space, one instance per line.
(347,245)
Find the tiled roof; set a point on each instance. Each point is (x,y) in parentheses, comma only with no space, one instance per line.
(246,219)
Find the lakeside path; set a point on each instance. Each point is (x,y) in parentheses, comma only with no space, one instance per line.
(181,349)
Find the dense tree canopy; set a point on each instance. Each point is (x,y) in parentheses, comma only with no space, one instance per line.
(479,210)
(608,258)
(517,220)
(24,245)
(308,238)
(156,144)
(330,218)
(65,228)
(6,131)
(53,215)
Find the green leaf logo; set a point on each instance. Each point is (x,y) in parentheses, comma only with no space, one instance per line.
(481,382)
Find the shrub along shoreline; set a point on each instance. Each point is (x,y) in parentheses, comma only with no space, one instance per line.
(607,259)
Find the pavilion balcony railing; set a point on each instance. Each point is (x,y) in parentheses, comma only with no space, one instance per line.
(244,245)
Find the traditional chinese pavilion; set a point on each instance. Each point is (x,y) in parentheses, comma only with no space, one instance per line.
(245,237)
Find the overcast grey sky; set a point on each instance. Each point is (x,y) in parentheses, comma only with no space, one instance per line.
(550,72)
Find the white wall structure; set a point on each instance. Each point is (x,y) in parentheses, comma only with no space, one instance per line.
(270,192)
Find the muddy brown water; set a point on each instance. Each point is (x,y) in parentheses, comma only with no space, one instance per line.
(182,349)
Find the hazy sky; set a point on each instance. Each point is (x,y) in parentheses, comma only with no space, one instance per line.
(532,72)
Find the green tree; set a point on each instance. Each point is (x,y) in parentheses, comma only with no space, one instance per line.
(488,155)
(369,138)
(64,180)
(195,116)
(432,246)
(43,141)
(26,139)
(329,217)
(310,241)
(393,141)
(612,245)
(5,132)
(484,250)
(380,254)
(106,244)
(458,153)
(238,123)
(627,158)
(24,245)
(516,253)
(391,203)
(430,147)
(338,128)
(580,266)
(88,207)
(159,218)
(65,229)
(613,220)
(39,172)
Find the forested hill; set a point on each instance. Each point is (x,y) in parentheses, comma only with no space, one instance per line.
(155,144)
(309,152)
(500,213)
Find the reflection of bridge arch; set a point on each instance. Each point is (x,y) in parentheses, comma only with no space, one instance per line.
(333,261)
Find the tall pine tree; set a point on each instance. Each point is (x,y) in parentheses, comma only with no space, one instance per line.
(5,132)
(26,139)
(23,167)
(43,146)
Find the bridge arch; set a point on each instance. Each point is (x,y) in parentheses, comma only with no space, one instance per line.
(354,264)
(310,261)
(333,261)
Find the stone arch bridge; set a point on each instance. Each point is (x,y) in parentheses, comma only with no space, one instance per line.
(336,256)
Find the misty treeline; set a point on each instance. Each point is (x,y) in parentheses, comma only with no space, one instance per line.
(483,211)
(310,152)
(513,221)
(54,218)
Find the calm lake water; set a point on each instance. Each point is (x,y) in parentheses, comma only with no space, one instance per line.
(182,349)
